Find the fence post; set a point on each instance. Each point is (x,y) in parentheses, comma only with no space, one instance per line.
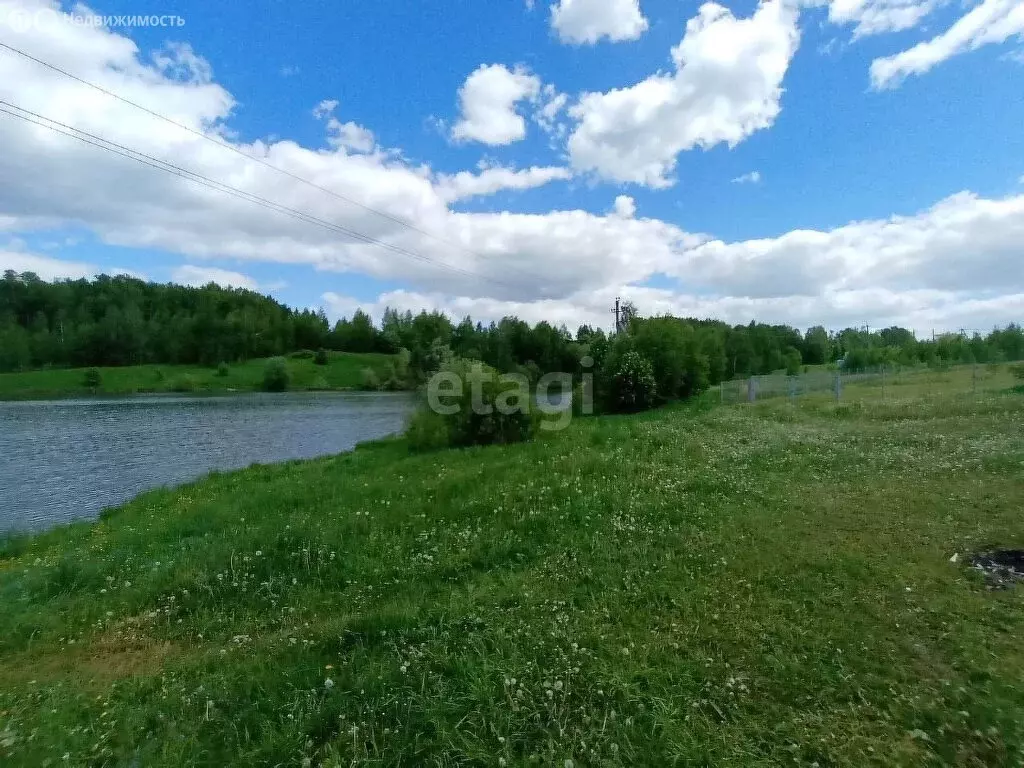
(751,389)
(974,379)
(839,385)
(883,382)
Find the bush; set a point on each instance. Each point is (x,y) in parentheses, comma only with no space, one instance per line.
(1018,370)
(223,370)
(427,431)
(184,383)
(276,377)
(370,380)
(508,414)
(303,354)
(321,357)
(631,387)
(92,379)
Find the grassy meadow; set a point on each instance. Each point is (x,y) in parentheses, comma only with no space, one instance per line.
(344,370)
(748,585)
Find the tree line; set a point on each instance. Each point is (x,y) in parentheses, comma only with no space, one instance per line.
(112,321)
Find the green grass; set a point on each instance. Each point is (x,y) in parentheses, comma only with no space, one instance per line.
(343,371)
(731,586)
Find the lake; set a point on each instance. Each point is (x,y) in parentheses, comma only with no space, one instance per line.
(64,460)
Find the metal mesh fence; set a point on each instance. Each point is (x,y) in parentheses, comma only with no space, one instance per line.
(879,383)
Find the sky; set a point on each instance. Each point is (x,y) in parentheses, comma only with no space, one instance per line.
(808,162)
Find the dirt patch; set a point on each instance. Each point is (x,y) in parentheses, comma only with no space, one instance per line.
(1002,568)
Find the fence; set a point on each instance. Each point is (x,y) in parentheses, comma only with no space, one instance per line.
(889,381)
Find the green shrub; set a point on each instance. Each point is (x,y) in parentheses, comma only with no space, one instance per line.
(505,412)
(303,354)
(427,431)
(631,386)
(92,379)
(370,381)
(184,383)
(223,370)
(1018,370)
(276,377)
(321,357)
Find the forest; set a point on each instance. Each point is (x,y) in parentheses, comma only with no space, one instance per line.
(119,321)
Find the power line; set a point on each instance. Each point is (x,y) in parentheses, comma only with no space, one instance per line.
(204,181)
(237,151)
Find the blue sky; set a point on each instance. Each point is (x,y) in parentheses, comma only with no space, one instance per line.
(827,149)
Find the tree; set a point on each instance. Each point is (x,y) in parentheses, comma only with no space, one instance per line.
(276,377)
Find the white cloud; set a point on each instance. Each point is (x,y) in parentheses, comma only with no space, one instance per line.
(754,177)
(727,85)
(625,207)
(289,71)
(922,311)
(48,268)
(189,274)
(990,22)
(464,184)
(325,108)
(488,101)
(588,21)
(873,17)
(551,105)
(955,264)
(350,136)
(963,243)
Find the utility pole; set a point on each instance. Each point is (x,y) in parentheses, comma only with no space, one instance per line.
(617,310)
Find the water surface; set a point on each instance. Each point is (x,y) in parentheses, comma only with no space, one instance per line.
(68,459)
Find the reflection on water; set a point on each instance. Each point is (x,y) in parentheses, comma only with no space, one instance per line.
(68,459)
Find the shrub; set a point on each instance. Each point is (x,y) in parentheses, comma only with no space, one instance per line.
(631,387)
(321,357)
(370,380)
(793,361)
(92,379)
(505,414)
(427,431)
(276,377)
(223,370)
(184,383)
(303,354)
(1018,370)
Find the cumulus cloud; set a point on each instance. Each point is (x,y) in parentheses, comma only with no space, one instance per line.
(465,184)
(49,268)
(625,206)
(954,264)
(190,274)
(754,177)
(488,101)
(990,22)
(727,85)
(588,21)
(873,17)
(325,108)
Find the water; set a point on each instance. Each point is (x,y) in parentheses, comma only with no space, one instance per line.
(69,459)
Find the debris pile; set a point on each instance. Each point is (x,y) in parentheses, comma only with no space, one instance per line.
(1002,568)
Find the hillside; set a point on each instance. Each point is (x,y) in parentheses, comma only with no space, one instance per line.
(727,585)
(344,370)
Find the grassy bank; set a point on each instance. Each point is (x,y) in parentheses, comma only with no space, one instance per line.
(343,371)
(747,585)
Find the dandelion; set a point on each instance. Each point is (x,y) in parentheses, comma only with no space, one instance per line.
(328,683)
